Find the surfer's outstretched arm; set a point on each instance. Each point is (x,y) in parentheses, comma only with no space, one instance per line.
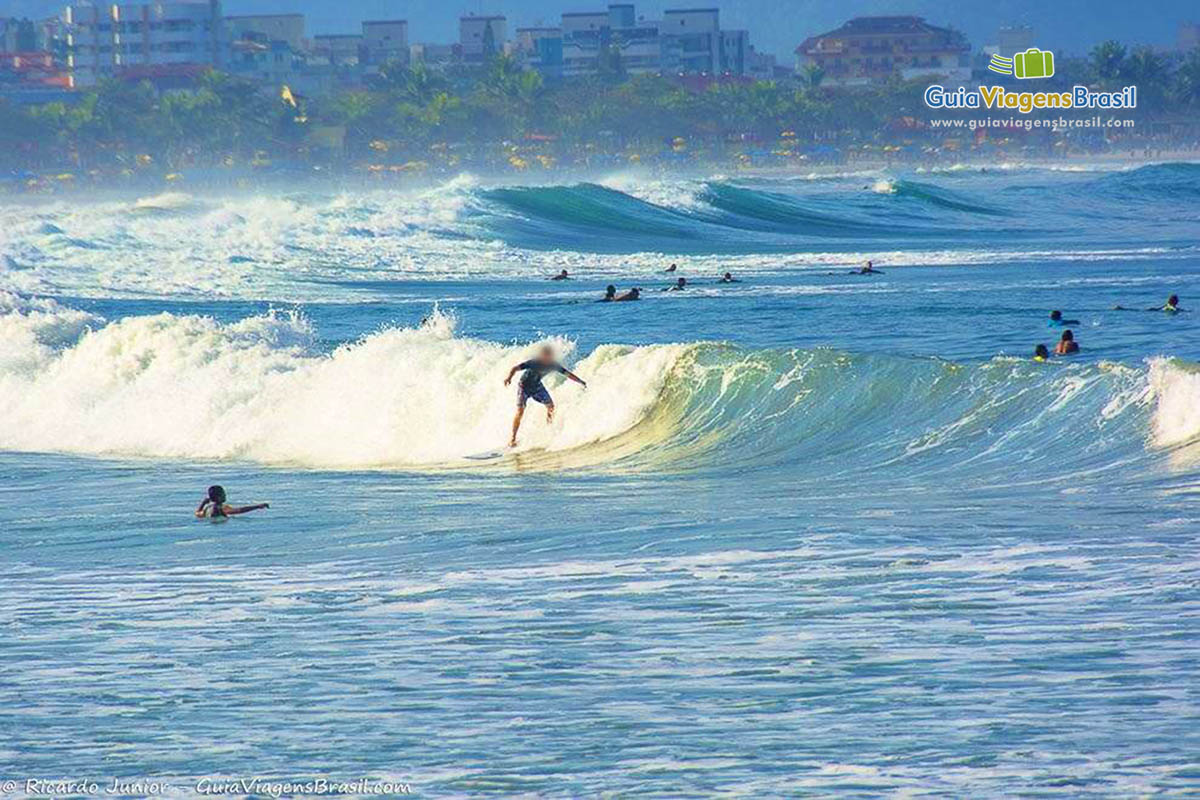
(235,510)
(574,377)
(514,371)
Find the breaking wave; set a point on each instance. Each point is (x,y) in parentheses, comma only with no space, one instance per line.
(261,389)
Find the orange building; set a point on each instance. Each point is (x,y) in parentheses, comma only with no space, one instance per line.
(873,49)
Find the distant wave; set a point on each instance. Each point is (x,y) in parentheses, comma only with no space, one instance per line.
(1155,182)
(308,245)
(717,215)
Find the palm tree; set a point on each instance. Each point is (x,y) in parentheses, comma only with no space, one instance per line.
(812,75)
(1107,60)
(1187,80)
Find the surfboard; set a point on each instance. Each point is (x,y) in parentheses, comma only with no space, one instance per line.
(488,455)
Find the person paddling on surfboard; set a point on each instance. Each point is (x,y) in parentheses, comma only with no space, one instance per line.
(530,386)
(215,508)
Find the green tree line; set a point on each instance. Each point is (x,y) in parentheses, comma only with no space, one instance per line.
(407,110)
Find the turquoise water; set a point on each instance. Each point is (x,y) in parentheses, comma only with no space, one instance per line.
(810,533)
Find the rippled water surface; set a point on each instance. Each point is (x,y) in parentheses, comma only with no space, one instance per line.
(809,533)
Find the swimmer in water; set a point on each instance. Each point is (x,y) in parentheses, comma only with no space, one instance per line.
(1171,306)
(1040,353)
(530,386)
(633,294)
(728,278)
(1057,321)
(562,276)
(671,268)
(214,506)
(869,269)
(679,286)
(1066,345)
(610,294)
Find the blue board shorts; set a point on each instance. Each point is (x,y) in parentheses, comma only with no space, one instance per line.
(539,394)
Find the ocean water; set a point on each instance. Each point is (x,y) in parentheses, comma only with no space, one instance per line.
(808,534)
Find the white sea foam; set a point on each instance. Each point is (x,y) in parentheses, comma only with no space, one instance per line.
(190,387)
(1176,389)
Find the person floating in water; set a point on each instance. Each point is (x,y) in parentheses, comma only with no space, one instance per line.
(1057,321)
(868,269)
(530,386)
(679,286)
(1040,353)
(1066,345)
(1171,306)
(214,506)
(610,294)
(562,276)
(633,294)
(728,278)
(671,268)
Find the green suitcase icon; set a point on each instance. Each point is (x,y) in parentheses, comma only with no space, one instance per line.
(1034,63)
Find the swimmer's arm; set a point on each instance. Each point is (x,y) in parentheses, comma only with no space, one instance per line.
(200,508)
(232,511)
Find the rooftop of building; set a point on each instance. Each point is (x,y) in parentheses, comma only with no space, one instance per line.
(875,26)
(887,26)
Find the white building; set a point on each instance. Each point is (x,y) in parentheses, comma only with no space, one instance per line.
(384,41)
(481,38)
(337,49)
(103,41)
(540,48)
(694,40)
(684,41)
(268,28)
(433,55)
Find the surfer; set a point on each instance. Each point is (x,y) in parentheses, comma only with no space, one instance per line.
(530,386)
(1171,306)
(633,294)
(562,276)
(214,506)
(728,278)
(869,269)
(1057,321)
(679,286)
(610,294)
(1066,345)
(1040,353)
(671,268)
